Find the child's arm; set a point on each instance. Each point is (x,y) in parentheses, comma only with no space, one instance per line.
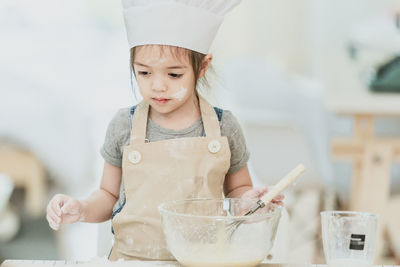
(97,208)
(239,185)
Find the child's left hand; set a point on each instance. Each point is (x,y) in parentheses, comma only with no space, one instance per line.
(258,192)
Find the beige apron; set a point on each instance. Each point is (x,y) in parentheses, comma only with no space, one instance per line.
(155,172)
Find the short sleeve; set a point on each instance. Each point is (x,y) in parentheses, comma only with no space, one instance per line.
(230,127)
(116,137)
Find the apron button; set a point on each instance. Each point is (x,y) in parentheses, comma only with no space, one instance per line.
(135,157)
(214,146)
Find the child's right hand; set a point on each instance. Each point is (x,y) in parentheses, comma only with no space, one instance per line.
(64,209)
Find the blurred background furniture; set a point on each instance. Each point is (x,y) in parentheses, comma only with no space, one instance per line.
(26,172)
(9,220)
(371,155)
(393,229)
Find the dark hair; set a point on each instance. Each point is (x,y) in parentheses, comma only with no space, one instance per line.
(195,59)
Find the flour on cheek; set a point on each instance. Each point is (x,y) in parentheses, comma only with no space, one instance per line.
(180,94)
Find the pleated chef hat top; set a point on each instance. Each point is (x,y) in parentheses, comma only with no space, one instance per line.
(190,24)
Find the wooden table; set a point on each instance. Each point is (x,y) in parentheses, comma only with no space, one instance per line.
(371,155)
(19,263)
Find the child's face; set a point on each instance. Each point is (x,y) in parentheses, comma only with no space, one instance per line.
(166,81)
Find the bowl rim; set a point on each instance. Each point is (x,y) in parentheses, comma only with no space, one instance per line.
(161,210)
(332,213)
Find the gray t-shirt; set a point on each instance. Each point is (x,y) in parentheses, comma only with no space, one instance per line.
(119,131)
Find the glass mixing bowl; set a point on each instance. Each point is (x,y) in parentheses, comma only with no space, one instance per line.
(197,231)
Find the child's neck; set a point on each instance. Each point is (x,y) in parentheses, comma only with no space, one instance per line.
(180,118)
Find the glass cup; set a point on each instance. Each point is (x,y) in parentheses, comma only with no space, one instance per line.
(349,238)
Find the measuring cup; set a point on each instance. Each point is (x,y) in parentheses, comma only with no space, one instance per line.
(349,238)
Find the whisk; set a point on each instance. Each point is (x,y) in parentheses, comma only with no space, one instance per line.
(279,187)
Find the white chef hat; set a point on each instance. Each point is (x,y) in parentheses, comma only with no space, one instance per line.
(190,24)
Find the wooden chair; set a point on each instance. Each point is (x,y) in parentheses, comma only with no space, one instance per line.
(28,173)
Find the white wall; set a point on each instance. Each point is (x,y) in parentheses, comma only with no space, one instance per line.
(64,73)
(271,30)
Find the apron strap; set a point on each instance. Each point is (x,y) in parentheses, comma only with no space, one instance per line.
(139,121)
(210,119)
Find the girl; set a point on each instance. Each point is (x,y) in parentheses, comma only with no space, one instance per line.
(172,145)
